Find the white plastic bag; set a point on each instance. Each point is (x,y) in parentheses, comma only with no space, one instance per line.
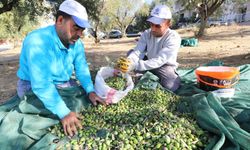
(104,91)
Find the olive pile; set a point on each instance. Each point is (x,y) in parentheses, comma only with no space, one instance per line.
(116,82)
(144,119)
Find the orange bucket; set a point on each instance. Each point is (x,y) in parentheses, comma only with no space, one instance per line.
(211,78)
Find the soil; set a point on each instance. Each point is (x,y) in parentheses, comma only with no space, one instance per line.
(229,44)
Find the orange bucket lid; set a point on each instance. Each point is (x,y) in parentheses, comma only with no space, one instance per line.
(218,72)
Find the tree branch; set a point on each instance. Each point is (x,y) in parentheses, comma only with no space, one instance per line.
(7,6)
(215,6)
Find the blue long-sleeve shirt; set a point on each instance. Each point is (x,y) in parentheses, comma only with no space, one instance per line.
(45,62)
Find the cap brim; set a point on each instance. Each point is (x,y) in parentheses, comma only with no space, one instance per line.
(155,20)
(81,22)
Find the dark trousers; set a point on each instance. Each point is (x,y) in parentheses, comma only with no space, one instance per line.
(168,77)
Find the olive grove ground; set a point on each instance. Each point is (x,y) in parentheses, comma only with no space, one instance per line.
(230,44)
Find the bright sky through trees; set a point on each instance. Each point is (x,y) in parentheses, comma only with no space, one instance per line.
(148,1)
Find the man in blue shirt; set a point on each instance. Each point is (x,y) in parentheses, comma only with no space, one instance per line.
(48,58)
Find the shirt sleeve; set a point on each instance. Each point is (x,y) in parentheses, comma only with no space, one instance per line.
(139,51)
(42,84)
(82,69)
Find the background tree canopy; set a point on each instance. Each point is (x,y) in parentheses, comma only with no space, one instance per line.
(18,17)
(21,16)
(206,8)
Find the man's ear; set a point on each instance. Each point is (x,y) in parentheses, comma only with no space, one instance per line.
(59,20)
(168,22)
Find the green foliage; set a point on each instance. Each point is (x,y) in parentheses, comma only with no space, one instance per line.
(141,23)
(112,14)
(141,19)
(94,8)
(5,25)
(207,8)
(22,18)
(123,13)
(213,6)
(7,5)
(13,26)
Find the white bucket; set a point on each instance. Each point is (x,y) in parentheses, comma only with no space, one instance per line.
(226,93)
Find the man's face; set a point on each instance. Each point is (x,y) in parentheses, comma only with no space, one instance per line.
(68,31)
(158,30)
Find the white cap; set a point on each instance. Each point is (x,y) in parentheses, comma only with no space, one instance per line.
(77,11)
(159,13)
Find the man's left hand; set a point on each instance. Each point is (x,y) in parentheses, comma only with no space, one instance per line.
(96,99)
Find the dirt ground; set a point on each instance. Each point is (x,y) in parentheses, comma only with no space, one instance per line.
(230,44)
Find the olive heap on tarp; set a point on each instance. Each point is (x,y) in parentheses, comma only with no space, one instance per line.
(144,119)
(117,82)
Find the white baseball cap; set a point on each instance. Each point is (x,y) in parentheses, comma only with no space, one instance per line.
(159,13)
(77,11)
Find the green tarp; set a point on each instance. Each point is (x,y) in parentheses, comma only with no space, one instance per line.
(192,42)
(228,119)
(24,123)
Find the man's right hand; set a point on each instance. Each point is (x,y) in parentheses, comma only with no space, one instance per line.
(95,99)
(71,124)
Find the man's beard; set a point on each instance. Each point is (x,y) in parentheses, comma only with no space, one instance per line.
(155,34)
(74,38)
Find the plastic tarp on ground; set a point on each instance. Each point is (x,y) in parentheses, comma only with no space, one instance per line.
(192,42)
(228,119)
(24,123)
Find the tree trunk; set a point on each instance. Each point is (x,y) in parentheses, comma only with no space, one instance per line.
(97,40)
(203,16)
(124,31)
(205,10)
(202,28)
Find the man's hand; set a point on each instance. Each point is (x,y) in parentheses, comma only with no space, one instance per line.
(96,99)
(124,65)
(70,124)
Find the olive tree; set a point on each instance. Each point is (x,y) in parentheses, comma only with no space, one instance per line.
(141,19)
(123,12)
(206,8)
(18,16)
(7,5)
(31,8)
